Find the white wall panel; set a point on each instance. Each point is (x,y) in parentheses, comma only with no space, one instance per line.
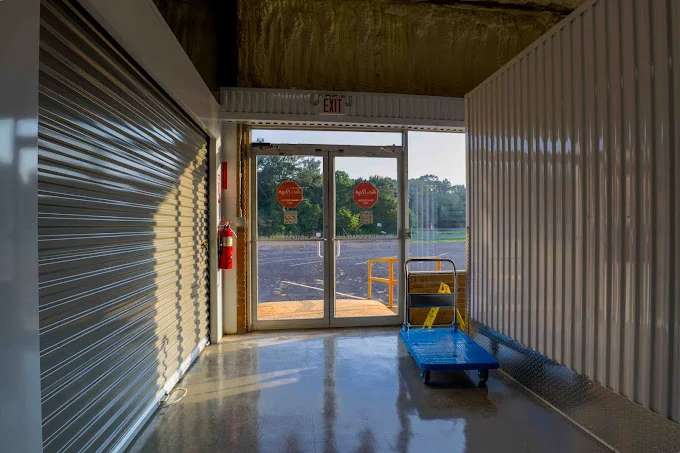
(558,207)
(574,206)
(20,421)
(616,215)
(602,212)
(516,200)
(663,205)
(568,210)
(673,19)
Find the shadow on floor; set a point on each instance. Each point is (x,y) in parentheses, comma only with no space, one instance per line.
(352,390)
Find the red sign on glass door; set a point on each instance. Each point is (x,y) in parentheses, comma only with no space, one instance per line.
(365,195)
(289,194)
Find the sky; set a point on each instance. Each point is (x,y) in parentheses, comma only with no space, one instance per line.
(435,153)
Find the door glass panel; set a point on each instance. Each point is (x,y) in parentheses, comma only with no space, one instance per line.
(290,280)
(366,197)
(289,197)
(364,286)
(290,266)
(366,209)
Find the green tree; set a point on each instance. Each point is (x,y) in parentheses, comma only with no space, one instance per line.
(431,201)
(274,170)
(436,202)
(347,222)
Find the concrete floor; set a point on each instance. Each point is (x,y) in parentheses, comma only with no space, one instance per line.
(351,390)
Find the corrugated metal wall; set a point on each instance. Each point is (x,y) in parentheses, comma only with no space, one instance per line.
(122,231)
(573,173)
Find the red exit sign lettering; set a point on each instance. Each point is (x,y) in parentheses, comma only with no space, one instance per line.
(332,105)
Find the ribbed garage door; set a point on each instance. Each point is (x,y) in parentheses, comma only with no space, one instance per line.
(123,228)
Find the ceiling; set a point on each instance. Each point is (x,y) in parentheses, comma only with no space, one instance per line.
(424,47)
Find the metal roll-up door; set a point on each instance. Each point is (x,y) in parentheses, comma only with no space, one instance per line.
(123,233)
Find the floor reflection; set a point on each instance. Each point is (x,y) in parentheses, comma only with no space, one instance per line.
(352,390)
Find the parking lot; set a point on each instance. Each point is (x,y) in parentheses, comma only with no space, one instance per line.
(293,270)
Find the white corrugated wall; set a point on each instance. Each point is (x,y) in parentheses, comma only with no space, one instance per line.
(573,161)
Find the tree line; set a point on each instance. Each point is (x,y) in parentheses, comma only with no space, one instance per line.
(432,203)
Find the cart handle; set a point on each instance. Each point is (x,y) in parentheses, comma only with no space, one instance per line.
(429,260)
(408,289)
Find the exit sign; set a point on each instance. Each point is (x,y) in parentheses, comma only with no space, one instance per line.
(332,105)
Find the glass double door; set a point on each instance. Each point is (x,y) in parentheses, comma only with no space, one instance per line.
(328,236)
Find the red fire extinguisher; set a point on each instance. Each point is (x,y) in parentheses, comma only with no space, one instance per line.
(226,246)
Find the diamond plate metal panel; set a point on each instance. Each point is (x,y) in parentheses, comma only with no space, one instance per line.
(618,422)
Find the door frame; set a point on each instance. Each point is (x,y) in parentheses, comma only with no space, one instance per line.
(329,153)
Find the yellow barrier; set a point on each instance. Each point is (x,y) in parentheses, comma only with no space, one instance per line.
(391,281)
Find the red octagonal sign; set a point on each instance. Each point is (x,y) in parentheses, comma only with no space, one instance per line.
(289,194)
(365,195)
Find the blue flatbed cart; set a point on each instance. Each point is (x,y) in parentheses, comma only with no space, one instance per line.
(442,348)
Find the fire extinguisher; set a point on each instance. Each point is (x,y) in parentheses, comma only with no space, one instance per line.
(226,246)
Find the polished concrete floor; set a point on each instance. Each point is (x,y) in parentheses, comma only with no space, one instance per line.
(352,390)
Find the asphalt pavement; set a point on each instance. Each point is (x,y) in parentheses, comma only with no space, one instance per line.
(289,271)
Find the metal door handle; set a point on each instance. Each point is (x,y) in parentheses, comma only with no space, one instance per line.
(319,248)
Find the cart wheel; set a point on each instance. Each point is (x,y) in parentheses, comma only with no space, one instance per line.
(483,376)
(426,377)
